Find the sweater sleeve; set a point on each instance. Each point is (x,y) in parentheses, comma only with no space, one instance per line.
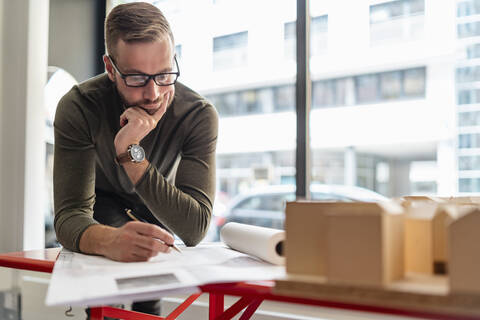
(73,173)
(186,207)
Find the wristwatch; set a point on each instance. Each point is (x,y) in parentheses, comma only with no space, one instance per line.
(135,154)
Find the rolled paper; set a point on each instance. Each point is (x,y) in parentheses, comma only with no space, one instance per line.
(264,243)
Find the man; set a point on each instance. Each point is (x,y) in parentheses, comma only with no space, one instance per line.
(134,143)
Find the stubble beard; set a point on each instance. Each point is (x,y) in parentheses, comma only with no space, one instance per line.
(127,104)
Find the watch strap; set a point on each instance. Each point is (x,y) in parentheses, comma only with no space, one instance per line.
(123,158)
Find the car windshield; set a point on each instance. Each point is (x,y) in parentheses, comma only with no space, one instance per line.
(266,202)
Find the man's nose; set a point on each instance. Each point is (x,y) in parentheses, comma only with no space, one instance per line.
(151,91)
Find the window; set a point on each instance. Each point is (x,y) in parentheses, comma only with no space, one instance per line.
(469,163)
(178,51)
(253,101)
(285,98)
(329,93)
(466,119)
(414,82)
(396,9)
(230,51)
(240,63)
(324,93)
(327,167)
(468,74)
(289,38)
(423,177)
(396,20)
(265,100)
(468,96)
(423,187)
(59,82)
(370,88)
(470,29)
(469,184)
(470,140)
(473,51)
(468,8)
(367,88)
(318,37)
(391,85)
(247,102)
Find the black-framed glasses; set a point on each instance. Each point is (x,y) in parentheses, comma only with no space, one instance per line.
(141,79)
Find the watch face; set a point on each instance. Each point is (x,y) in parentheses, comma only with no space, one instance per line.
(137,153)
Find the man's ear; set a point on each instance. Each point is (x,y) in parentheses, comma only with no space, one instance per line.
(108,67)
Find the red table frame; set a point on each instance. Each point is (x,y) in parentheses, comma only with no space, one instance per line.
(251,295)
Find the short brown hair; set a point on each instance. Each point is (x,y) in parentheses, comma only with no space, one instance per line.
(135,22)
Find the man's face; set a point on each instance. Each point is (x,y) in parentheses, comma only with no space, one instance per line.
(147,58)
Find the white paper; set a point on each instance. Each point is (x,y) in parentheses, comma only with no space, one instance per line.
(264,243)
(83,280)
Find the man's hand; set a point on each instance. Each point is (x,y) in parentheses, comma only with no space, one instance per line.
(136,123)
(134,241)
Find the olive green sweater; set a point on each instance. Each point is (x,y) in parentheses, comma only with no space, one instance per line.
(178,187)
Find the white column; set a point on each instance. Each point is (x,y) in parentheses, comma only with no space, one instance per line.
(399,177)
(350,166)
(24,42)
(447,168)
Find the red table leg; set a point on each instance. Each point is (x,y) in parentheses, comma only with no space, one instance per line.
(123,314)
(248,313)
(235,308)
(175,313)
(215,305)
(96,313)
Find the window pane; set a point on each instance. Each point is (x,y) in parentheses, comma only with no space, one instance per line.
(384,104)
(470,29)
(391,85)
(469,185)
(324,93)
(469,163)
(469,140)
(414,82)
(468,8)
(466,119)
(178,51)
(285,98)
(367,88)
(289,36)
(318,35)
(396,20)
(230,51)
(468,96)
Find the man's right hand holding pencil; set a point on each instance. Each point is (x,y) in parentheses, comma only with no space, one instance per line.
(135,241)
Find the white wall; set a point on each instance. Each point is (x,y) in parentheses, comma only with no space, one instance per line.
(1,104)
(24,68)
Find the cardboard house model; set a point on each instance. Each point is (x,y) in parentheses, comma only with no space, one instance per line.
(464,251)
(426,236)
(305,245)
(423,198)
(464,200)
(356,243)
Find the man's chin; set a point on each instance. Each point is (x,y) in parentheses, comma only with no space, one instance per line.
(151,111)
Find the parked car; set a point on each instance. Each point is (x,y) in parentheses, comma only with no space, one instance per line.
(265,206)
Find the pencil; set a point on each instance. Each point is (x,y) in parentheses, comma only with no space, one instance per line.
(130,214)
